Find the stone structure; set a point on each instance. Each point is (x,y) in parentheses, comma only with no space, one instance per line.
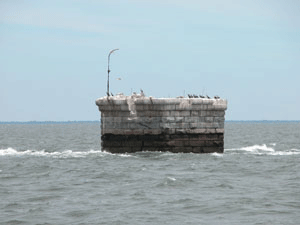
(137,123)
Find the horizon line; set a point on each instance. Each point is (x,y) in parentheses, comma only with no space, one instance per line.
(98,121)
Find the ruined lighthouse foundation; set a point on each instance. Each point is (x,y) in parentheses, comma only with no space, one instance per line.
(138,123)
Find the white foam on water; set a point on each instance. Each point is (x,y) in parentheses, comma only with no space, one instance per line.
(264,150)
(285,153)
(42,153)
(258,148)
(171,178)
(273,144)
(217,154)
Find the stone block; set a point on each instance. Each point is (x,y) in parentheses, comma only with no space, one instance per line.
(197,131)
(197,150)
(179,119)
(144,125)
(203,113)
(210,130)
(143,101)
(184,107)
(115,114)
(169,131)
(212,149)
(198,143)
(175,113)
(181,131)
(197,101)
(192,119)
(199,107)
(209,119)
(195,113)
(166,101)
(194,125)
(174,125)
(220,107)
(208,101)
(219,119)
(152,131)
(210,107)
(168,119)
(220,130)
(119,102)
(177,143)
(124,107)
(209,113)
(182,149)
(184,113)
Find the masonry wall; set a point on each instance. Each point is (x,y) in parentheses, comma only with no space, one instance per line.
(136,123)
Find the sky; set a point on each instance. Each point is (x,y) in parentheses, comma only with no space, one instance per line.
(53,55)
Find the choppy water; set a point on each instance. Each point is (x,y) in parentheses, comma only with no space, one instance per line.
(57,174)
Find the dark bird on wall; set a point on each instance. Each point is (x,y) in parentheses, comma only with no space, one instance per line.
(207,96)
(107,94)
(216,97)
(195,96)
(111,94)
(201,96)
(190,96)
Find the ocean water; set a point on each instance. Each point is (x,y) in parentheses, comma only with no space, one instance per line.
(58,174)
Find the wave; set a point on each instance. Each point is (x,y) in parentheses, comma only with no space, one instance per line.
(263,150)
(217,154)
(63,154)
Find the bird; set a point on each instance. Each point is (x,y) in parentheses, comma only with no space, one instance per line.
(107,94)
(207,96)
(201,96)
(190,96)
(142,93)
(216,97)
(111,94)
(195,96)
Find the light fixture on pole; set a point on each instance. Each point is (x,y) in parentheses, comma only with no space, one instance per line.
(108,70)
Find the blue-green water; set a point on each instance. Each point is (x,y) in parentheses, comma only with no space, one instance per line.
(58,174)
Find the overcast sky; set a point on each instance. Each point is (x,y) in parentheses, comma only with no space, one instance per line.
(53,55)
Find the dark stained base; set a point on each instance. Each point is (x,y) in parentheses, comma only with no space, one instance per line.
(196,143)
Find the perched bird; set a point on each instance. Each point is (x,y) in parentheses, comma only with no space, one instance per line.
(111,94)
(201,96)
(195,96)
(190,96)
(216,97)
(207,96)
(107,94)
(142,93)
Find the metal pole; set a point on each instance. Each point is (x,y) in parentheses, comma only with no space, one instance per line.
(108,70)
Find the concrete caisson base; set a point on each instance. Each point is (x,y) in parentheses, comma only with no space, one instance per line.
(137,123)
(196,143)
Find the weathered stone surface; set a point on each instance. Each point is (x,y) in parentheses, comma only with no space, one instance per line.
(135,123)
